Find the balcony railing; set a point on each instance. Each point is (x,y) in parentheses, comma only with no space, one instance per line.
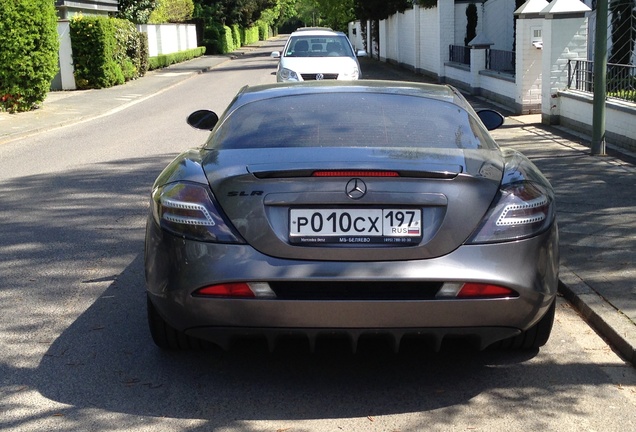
(500,61)
(459,54)
(621,79)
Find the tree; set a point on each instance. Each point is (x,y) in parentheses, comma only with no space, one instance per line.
(308,12)
(28,52)
(276,16)
(328,13)
(137,11)
(172,11)
(337,13)
(242,12)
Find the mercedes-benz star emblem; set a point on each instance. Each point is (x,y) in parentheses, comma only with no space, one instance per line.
(356,189)
(319,76)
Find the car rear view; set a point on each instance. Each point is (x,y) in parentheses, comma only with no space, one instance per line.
(398,215)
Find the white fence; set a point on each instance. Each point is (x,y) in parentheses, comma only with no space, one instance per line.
(169,38)
(547,36)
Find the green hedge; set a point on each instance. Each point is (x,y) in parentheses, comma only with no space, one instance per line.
(227,40)
(263,30)
(164,60)
(219,39)
(28,53)
(250,35)
(236,36)
(130,49)
(107,51)
(212,37)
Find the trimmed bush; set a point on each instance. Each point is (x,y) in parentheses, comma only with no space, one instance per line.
(171,11)
(94,52)
(263,30)
(28,53)
(236,37)
(128,49)
(107,51)
(212,38)
(143,53)
(227,40)
(165,60)
(250,35)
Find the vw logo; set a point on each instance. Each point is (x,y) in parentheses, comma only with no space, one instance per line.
(319,76)
(356,189)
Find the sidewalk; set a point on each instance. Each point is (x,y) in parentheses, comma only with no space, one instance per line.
(62,108)
(596,196)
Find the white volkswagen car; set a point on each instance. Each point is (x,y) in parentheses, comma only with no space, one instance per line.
(317,54)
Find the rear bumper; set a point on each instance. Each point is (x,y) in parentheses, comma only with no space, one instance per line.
(176,267)
(431,338)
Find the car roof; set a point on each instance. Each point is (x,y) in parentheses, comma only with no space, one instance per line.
(431,91)
(316,31)
(301,29)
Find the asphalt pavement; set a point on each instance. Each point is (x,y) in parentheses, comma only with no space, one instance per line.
(596,199)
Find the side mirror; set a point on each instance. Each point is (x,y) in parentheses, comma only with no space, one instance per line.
(275,54)
(361,53)
(203,119)
(490,118)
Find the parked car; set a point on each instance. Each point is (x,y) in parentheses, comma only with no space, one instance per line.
(317,54)
(354,208)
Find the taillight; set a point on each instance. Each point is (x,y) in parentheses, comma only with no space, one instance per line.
(520,211)
(355,173)
(260,290)
(189,210)
(226,290)
(524,206)
(481,290)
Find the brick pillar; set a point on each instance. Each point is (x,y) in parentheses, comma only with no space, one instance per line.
(528,57)
(479,46)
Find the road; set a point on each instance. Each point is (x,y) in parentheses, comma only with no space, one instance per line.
(75,353)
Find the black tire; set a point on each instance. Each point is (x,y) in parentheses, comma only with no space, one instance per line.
(168,338)
(533,338)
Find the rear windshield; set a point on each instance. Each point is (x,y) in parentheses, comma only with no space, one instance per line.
(350,120)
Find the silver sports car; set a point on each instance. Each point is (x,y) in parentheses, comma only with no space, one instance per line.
(356,208)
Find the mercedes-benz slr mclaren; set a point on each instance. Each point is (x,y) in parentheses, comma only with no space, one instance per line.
(356,208)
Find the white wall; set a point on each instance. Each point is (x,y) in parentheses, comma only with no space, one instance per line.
(498,23)
(576,112)
(169,38)
(563,39)
(494,20)
(65,80)
(406,44)
(529,63)
(429,41)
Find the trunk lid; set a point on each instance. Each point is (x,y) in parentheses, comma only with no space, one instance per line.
(269,194)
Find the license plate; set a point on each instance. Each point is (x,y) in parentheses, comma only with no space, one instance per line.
(355,226)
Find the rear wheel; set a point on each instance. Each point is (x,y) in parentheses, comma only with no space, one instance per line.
(167,337)
(533,338)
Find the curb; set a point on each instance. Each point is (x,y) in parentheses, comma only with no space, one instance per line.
(609,322)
